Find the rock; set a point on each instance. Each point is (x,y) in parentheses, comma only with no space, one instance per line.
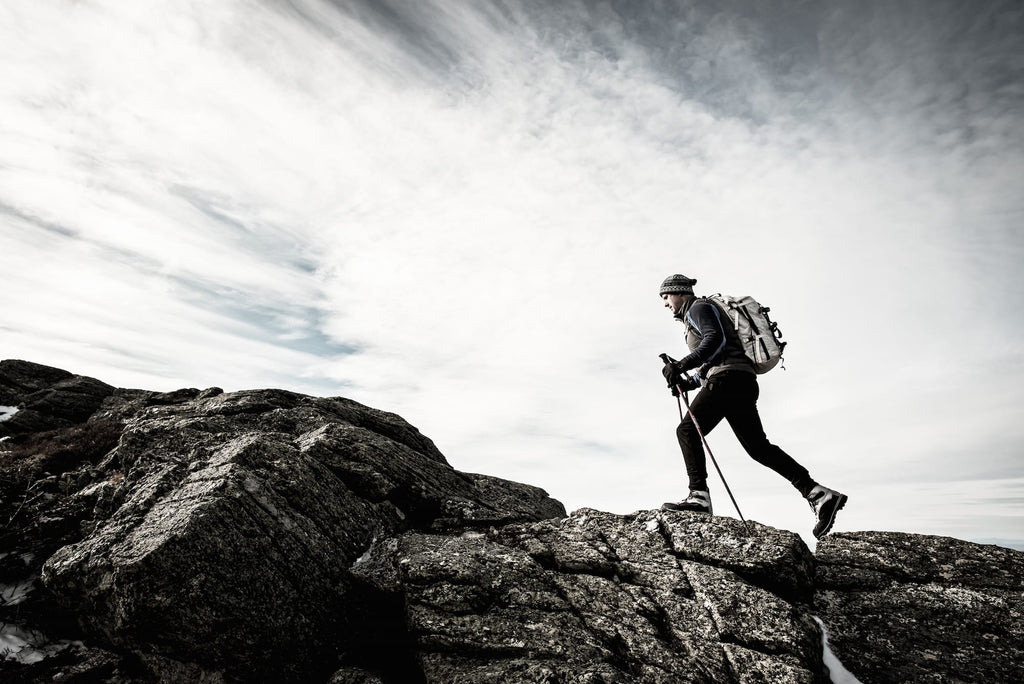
(355,675)
(19,378)
(32,456)
(904,607)
(241,516)
(599,597)
(774,559)
(45,501)
(265,535)
(47,398)
(508,502)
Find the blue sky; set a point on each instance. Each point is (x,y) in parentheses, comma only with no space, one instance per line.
(461,212)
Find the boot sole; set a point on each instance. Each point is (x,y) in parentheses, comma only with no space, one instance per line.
(677,507)
(832,517)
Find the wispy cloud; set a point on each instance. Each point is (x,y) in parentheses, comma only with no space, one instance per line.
(461,213)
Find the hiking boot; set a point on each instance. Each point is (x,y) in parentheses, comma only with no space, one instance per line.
(825,503)
(698,501)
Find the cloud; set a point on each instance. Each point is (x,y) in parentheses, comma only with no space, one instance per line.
(461,213)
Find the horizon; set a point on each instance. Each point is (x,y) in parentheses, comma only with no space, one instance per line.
(462,215)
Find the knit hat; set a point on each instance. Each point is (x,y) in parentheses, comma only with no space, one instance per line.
(677,284)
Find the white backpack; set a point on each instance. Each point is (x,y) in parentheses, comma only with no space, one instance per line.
(760,336)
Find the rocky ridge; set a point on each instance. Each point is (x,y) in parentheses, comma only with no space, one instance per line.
(265,535)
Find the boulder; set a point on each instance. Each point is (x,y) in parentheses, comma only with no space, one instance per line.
(598,597)
(20,378)
(905,607)
(240,515)
(46,398)
(264,535)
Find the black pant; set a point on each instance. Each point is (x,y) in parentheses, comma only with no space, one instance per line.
(733,395)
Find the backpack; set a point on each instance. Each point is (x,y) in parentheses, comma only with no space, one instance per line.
(759,335)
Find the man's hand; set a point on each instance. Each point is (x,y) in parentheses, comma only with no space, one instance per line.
(676,377)
(672,373)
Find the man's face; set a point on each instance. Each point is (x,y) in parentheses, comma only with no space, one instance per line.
(674,302)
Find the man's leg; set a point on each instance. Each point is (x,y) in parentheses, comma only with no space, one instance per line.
(736,395)
(709,411)
(739,393)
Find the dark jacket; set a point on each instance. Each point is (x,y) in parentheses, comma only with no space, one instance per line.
(712,340)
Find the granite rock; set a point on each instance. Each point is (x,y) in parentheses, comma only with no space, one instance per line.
(265,535)
(905,607)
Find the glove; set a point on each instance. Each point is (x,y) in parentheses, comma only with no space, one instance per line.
(677,379)
(672,373)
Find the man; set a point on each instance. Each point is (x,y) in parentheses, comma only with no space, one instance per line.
(729,390)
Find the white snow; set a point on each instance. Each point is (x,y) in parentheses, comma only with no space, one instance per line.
(6,412)
(366,554)
(13,594)
(26,646)
(837,673)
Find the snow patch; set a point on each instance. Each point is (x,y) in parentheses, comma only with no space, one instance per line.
(652,525)
(6,412)
(366,554)
(13,594)
(27,646)
(838,674)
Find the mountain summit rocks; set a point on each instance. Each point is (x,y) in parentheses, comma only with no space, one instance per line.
(597,597)
(264,535)
(914,608)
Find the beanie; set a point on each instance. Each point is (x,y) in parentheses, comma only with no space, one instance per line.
(677,284)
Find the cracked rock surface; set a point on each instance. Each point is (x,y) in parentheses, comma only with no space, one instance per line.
(264,535)
(598,597)
(917,608)
(209,535)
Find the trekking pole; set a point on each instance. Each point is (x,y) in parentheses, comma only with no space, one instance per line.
(707,447)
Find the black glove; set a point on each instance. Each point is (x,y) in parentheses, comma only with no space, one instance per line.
(676,376)
(677,379)
(672,373)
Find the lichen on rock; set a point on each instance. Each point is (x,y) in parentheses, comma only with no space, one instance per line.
(210,536)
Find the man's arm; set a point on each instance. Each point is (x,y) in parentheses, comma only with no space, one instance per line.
(706,319)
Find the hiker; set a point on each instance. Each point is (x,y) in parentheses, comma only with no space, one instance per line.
(729,390)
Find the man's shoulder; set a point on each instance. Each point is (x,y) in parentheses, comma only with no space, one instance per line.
(703,307)
(701,314)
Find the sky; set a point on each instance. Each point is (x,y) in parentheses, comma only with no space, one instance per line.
(461,213)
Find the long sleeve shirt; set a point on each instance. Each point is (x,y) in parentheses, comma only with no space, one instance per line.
(712,340)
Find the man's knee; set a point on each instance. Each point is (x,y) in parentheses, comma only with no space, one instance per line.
(687,432)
